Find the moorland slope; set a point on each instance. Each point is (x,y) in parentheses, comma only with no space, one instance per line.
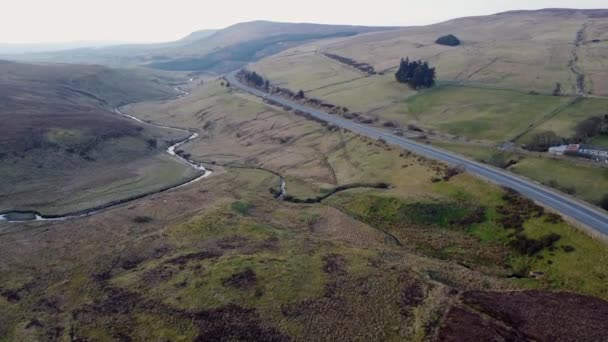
(436,256)
(62,147)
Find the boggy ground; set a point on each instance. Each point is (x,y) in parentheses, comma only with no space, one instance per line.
(222,259)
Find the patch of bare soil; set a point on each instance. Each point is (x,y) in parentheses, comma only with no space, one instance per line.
(158,275)
(412,295)
(245,245)
(134,258)
(234,323)
(233,242)
(16,295)
(241,280)
(335,264)
(11,296)
(342,312)
(116,315)
(545,316)
(464,325)
(202,255)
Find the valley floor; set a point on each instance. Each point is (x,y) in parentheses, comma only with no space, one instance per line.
(370,242)
(439,255)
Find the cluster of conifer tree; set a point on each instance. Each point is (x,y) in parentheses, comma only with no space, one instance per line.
(417,74)
(254,78)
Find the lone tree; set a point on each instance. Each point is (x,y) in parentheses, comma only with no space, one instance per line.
(449,40)
(558,89)
(417,74)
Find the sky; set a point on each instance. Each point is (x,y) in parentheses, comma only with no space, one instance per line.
(49,21)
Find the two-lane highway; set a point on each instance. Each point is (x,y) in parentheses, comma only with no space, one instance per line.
(579,211)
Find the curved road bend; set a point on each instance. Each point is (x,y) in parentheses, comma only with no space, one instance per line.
(579,211)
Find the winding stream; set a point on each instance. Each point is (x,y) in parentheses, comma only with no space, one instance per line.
(16,216)
(283,192)
(27,216)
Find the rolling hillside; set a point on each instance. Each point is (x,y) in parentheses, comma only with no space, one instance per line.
(525,50)
(498,85)
(61,147)
(437,256)
(305,231)
(207,50)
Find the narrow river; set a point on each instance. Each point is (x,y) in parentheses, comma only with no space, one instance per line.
(30,216)
(27,216)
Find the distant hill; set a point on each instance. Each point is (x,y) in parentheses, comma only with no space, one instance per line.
(207,50)
(17,48)
(526,50)
(562,12)
(196,35)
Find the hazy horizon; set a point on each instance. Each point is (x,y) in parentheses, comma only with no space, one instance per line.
(64,21)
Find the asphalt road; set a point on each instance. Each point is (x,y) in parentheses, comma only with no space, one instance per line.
(577,210)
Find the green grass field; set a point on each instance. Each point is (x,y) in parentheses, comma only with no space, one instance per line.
(472,112)
(493,115)
(305,69)
(479,153)
(600,140)
(564,122)
(587,182)
(376,93)
(142,177)
(582,268)
(59,183)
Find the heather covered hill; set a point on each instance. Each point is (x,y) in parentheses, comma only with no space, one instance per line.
(63,149)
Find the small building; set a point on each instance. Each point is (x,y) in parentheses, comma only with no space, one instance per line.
(558,150)
(599,154)
(593,152)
